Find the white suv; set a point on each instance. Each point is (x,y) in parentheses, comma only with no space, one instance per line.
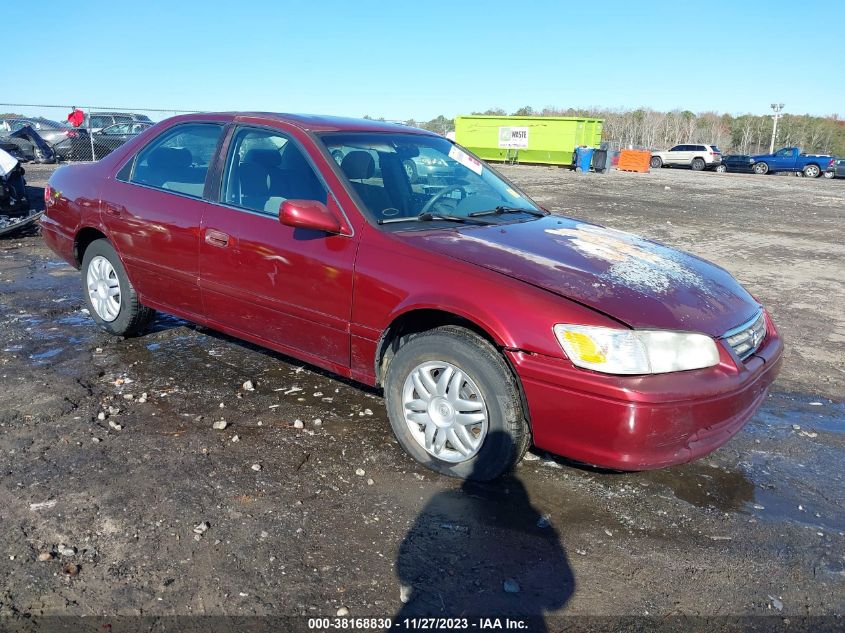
(699,157)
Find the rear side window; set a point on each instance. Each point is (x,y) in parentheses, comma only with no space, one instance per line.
(178,160)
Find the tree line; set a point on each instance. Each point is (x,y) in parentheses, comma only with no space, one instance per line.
(651,129)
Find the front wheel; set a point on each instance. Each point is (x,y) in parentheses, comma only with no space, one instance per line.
(721,169)
(761,169)
(812,171)
(656,162)
(109,295)
(455,406)
(828,174)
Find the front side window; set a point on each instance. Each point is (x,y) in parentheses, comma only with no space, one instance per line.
(398,175)
(178,160)
(677,148)
(784,152)
(264,169)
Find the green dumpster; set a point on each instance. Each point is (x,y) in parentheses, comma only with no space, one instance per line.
(527,139)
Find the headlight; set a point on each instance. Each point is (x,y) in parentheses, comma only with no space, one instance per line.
(615,351)
(752,161)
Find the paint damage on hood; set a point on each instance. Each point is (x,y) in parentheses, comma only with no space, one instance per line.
(639,282)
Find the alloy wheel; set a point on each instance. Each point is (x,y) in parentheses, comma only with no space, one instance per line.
(445,411)
(103,288)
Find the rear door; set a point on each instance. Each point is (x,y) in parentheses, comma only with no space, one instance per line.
(287,288)
(153,210)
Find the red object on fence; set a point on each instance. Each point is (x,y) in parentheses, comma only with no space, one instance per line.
(76,117)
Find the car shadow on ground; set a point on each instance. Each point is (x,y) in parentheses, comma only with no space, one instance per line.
(483,551)
(164,322)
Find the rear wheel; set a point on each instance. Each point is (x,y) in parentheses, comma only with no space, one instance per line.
(111,299)
(656,162)
(455,406)
(812,171)
(761,168)
(698,164)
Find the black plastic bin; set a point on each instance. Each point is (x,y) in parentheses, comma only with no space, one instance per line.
(601,161)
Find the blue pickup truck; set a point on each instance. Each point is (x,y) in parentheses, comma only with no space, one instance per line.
(794,160)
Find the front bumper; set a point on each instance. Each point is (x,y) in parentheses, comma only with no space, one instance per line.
(643,422)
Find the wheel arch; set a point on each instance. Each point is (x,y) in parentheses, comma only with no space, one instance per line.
(417,320)
(83,239)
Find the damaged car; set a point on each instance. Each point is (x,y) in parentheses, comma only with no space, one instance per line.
(490,323)
(15,209)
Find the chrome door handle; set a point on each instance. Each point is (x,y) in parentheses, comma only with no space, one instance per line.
(216,238)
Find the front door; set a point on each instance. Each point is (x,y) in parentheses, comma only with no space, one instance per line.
(290,289)
(153,210)
(784,159)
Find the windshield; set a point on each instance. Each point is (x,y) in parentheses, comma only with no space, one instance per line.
(408,175)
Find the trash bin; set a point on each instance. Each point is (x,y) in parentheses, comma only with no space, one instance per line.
(600,161)
(583,157)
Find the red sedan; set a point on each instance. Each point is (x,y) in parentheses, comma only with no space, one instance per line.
(490,323)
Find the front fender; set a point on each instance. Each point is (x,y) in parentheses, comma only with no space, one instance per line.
(393,279)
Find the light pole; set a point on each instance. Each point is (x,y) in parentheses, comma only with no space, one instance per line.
(777,107)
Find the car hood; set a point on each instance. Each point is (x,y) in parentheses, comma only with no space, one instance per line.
(636,281)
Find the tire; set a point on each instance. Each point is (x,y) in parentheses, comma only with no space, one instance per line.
(761,168)
(829,175)
(487,383)
(698,164)
(812,171)
(128,317)
(656,162)
(721,169)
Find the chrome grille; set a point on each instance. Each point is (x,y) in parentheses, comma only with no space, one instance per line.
(746,339)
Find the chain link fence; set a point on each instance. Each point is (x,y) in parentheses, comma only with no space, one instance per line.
(61,133)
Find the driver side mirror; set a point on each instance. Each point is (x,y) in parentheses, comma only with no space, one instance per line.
(309,214)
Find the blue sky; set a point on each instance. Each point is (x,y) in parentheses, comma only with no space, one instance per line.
(416,60)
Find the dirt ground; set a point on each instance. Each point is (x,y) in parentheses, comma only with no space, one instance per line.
(111,470)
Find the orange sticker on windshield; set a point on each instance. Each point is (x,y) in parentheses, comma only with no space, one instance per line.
(465,159)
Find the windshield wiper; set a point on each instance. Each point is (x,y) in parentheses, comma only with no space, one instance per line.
(429,217)
(502,209)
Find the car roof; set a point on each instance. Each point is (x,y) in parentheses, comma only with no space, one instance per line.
(322,123)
